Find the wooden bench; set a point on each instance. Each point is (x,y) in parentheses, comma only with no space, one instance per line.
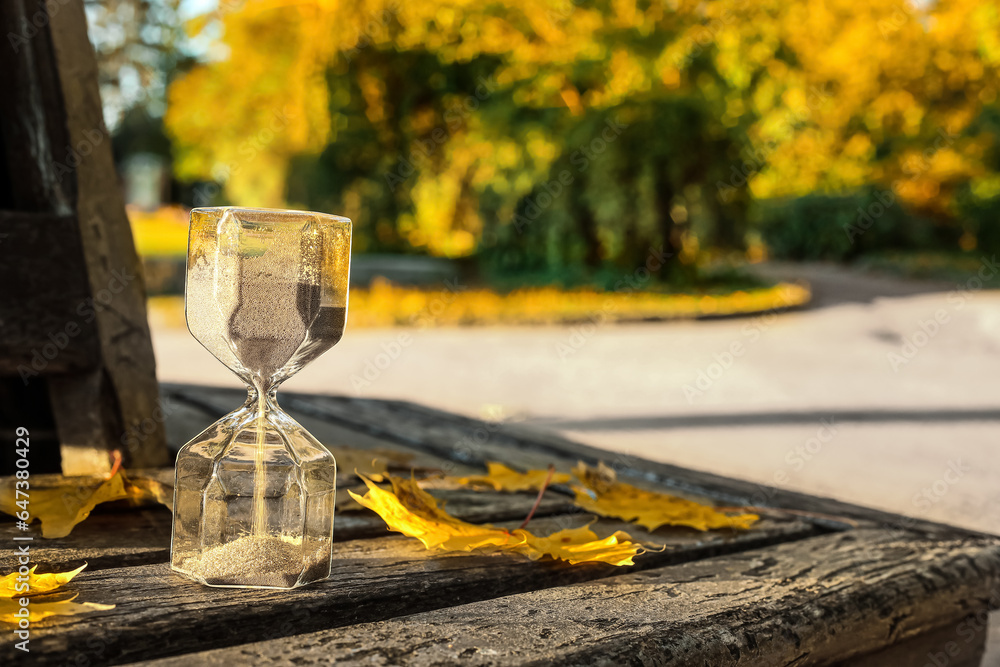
(816,582)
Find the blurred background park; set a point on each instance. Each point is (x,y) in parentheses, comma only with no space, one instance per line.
(756,238)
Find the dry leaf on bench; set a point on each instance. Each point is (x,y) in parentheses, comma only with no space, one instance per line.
(502,478)
(40,584)
(39,610)
(412,511)
(147,489)
(37,583)
(580,545)
(61,507)
(603,494)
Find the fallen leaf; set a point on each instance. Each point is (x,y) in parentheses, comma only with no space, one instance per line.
(410,510)
(580,545)
(37,583)
(62,507)
(41,584)
(603,494)
(147,489)
(39,610)
(502,478)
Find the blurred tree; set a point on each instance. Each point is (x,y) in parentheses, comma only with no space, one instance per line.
(138,45)
(556,134)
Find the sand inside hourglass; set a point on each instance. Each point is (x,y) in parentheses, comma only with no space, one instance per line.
(262,559)
(271,322)
(266,293)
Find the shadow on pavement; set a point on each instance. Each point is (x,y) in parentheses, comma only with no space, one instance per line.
(655,422)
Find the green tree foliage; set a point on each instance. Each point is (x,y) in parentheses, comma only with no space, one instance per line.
(550,134)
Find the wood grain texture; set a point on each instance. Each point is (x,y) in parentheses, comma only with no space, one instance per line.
(44,287)
(473,442)
(819,601)
(332,434)
(116,535)
(859,588)
(159,613)
(128,394)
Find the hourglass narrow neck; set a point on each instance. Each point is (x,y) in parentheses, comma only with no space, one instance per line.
(262,398)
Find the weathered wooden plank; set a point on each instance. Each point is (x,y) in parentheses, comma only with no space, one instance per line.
(819,601)
(123,391)
(473,442)
(182,420)
(116,536)
(161,614)
(43,303)
(220,401)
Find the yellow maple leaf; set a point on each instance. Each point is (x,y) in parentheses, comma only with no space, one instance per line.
(502,478)
(11,610)
(145,489)
(410,510)
(603,494)
(62,507)
(39,610)
(37,583)
(580,545)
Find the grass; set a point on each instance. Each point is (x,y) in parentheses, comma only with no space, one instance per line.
(388,305)
(160,233)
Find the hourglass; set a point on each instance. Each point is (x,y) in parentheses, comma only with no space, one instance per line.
(266,293)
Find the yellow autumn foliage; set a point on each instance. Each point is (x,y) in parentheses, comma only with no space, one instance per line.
(10,586)
(503,478)
(40,610)
(410,510)
(832,92)
(60,507)
(601,493)
(388,305)
(11,590)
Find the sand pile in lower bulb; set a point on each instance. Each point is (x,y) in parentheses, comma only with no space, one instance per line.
(253,560)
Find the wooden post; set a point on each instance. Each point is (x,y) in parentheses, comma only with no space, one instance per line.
(72,299)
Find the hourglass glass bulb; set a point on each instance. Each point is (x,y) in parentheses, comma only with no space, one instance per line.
(266,293)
